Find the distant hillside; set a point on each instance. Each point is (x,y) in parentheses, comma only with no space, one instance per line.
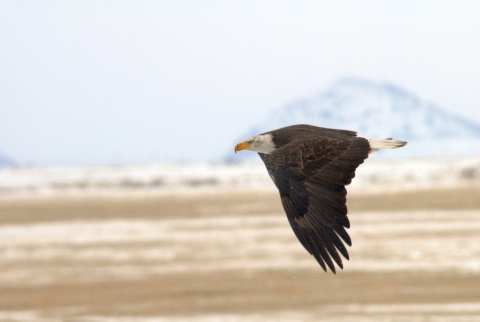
(379,110)
(6,161)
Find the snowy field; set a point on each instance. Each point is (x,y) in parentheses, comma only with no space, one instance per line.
(384,242)
(230,257)
(377,173)
(210,242)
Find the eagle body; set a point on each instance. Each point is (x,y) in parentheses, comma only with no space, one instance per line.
(310,166)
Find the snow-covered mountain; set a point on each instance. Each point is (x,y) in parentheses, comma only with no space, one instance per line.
(380,110)
(5,161)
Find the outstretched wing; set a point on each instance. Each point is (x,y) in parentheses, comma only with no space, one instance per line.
(311,180)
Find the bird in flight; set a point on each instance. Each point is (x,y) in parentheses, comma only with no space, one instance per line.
(311,166)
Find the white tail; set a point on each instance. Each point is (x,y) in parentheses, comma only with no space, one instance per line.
(378,144)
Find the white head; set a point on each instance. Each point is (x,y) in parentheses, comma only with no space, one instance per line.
(261,143)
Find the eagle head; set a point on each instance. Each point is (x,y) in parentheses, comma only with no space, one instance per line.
(262,143)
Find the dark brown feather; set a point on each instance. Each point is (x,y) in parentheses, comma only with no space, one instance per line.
(310,168)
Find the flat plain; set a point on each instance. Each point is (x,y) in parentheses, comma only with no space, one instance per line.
(231,256)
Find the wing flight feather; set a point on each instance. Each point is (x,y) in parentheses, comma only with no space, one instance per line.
(311,176)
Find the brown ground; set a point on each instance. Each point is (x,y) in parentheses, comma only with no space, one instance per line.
(18,210)
(245,293)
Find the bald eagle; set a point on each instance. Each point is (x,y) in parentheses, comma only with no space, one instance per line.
(310,166)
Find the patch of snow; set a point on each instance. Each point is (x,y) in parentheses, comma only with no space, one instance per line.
(92,251)
(378,173)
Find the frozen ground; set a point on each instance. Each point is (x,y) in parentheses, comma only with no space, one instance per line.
(377,173)
(458,312)
(73,248)
(137,249)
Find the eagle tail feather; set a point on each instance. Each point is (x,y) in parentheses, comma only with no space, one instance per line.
(378,144)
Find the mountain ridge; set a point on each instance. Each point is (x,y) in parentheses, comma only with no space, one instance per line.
(6,161)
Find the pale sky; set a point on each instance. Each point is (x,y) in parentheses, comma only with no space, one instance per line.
(86,82)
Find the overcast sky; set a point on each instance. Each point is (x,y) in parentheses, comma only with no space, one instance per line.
(85,82)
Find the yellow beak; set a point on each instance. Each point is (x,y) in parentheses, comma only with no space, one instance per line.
(242,146)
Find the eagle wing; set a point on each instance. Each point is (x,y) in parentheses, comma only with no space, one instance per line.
(311,176)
